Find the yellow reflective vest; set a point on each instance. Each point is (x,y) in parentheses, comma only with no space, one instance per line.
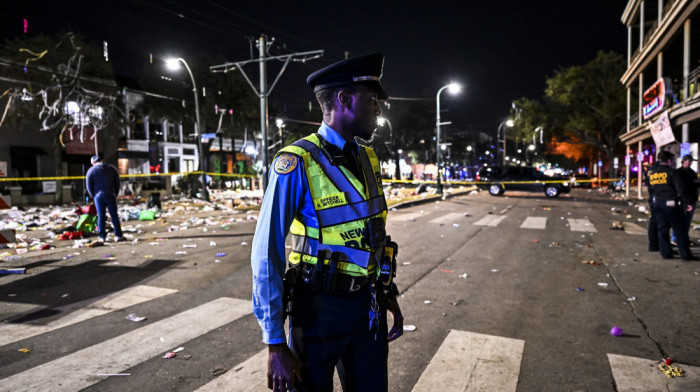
(342,203)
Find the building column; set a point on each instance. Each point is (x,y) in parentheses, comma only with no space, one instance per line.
(641,25)
(639,171)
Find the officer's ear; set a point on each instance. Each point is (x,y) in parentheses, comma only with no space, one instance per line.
(344,98)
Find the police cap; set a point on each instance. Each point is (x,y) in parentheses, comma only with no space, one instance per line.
(365,69)
(688,157)
(96,158)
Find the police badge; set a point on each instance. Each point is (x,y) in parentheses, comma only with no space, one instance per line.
(285,163)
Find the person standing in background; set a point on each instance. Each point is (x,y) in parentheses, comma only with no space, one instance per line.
(102,181)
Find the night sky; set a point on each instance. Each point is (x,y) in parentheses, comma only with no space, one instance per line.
(498,50)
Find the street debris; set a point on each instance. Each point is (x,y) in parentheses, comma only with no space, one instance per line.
(617,225)
(446,271)
(7,271)
(671,371)
(591,262)
(169,355)
(464,276)
(616,331)
(409,327)
(113,374)
(219,371)
(133,317)
(24,350)
(427,302)
(602,284)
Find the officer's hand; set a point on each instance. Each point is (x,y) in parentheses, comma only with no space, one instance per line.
(393,308)
(282,368)
(689,207)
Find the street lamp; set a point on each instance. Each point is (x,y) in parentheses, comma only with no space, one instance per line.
(280,124)
(507,123)
(397,170)
(174,64)
(454,88)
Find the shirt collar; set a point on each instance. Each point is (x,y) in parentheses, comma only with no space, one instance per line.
(332,136)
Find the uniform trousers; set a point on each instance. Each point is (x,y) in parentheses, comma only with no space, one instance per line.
(653,230)
(667,218)
(107,202)
(332,331)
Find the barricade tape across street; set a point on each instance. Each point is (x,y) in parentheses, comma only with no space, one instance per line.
(447,183)
(12,179)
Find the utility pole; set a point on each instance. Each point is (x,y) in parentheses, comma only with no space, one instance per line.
(264,92)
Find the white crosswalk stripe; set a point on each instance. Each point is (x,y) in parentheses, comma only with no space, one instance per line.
(534,222)
(120,300)
(411,216)
(468,361)
(490,220)
(638,374)
(80,369)
(449,218)
(581,225)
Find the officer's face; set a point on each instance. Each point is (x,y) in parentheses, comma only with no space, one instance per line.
(366,109)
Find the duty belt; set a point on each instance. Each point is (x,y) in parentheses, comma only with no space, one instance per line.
(328,279)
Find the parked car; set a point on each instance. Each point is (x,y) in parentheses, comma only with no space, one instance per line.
(581,181)
(498,180)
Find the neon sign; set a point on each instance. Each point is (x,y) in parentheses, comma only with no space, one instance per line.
(655,98)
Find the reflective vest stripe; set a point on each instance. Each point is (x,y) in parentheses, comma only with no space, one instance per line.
(311,246)
(332,172)
(351,212)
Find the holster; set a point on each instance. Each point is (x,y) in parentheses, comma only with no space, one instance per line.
(289,282)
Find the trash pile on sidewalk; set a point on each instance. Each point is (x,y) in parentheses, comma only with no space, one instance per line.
(41,228)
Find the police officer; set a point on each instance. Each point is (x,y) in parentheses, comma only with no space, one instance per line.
(653,229)
(325,190)
(690,182)
(668,198)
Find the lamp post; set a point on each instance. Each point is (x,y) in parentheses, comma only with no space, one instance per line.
(174,64)
(507,123)
(397,170)
(454,89)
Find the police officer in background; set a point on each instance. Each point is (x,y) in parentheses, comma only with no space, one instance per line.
(668,198)
(325,190)
(690,181)
(653,229)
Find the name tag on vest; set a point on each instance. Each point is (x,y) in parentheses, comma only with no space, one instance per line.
(336,199)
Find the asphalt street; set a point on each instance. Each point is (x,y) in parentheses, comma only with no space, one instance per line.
(514,293)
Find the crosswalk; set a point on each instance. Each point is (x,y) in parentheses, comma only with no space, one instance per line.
(464,360)
(493,220)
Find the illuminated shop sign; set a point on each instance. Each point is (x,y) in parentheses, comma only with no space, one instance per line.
(655,97)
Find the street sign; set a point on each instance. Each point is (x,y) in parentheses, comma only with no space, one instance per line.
(208,136)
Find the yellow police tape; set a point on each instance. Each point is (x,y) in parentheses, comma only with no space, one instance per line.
(12,179)
(496,182)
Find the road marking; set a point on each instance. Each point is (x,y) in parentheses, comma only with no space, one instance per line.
(406,217)
(639,374)
(503,211)
(581,225)
(490,220)
(634,229)
(448,218)
(10,332)
(534,222)
(249,376)
(468,361)
(79,370)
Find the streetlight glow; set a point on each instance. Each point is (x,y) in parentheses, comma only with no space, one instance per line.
(172,64)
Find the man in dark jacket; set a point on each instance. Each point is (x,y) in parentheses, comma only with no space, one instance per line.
(668,198)
(690,183)
(102,182)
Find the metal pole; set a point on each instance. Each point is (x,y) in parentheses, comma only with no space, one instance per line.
(205,193)
(437,123)
(504,145)
(263,108)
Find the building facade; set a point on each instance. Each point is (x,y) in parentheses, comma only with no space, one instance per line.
(663,68)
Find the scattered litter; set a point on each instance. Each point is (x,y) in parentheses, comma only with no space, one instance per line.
(671,371)
(409,328)
(427,302)
(630,299)
(220,254)
(169,355)
(189,245)
(95,244)
(602,284)
(24,350)
(668,361)
(177,350)
(406,263)
(495,270)
(217,261)
(616,331)
(554,243)
(617,225)
(580,289)
(455,225)
(64,295)
(162,340)
(464,276)
(591,262)
(244,243)
(180,252)
(535,241)
(212,243)
(133,317)
(447,271)
(6,271)
(112,374)
(219,371)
